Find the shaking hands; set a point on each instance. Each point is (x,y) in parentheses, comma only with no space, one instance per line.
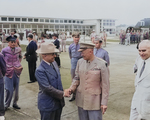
(67,92)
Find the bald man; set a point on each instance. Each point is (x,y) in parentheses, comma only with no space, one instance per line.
(140,107)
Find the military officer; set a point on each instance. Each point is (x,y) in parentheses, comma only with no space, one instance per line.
(12,56)
(74,56)
(92,83)
(2,74)
(100,52)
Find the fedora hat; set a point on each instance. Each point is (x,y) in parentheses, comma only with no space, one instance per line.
(47,48)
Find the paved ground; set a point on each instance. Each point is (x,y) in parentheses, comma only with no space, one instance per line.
(121,87)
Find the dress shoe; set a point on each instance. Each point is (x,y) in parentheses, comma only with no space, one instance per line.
(31,82)
(72,99)
(16,106)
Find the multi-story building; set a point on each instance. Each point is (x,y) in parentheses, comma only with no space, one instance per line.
(43,24)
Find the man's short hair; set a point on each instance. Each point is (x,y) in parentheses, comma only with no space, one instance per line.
(30,36)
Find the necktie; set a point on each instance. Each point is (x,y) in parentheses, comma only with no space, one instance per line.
(142,69)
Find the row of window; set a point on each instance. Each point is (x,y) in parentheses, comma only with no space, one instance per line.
(40,20)
(108,20)
(45,26)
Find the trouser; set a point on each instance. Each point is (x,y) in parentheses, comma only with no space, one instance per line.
(11,85)
(2,108)
(32,68)
(57,59)
(127,41)
(105,40)
(53,115)
(89,114)
(134,115)
(63,45)
(72,76)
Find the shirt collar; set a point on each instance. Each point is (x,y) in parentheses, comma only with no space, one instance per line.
(30,41)
(46,62)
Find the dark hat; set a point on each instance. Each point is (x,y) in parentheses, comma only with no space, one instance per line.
(56,35)
(84,46)
(10,38)
(30,36)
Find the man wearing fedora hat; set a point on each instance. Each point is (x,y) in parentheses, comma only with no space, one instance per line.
(57,44)
(92,84)
(12,56)
(51,94)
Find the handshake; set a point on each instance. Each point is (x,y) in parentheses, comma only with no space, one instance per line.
(67,92)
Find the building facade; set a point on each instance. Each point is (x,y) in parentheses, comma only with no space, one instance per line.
(42,24)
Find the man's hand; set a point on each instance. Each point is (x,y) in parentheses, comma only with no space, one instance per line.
(103,108)
(67,92)
(24,57)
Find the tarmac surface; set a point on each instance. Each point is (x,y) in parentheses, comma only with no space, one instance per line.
(122,59)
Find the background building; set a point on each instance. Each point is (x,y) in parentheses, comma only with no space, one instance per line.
(23,24)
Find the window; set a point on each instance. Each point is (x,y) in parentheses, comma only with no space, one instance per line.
(77,21)
(75,26)
(24,19)
(91,27)
(4,18)
(65,21)
(17,19)
(29,19)
(45,26)
(52,21)
(61,21)
(79,26)
(74,21)
(40,26)
(34,26)
(81,21)
(56,21)
(5,26)
(41,20)
(27,26)
(69,21)
(11,19)
(56,26)
(107,20)
(51,26)
(46,20)
(61,26)
(35,20)
(66,26)
(22,26)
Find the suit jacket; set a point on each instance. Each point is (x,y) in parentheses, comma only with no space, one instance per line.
(141,97)
(57,43)
(2,67)
(30,54)
(50,97)
(92,83)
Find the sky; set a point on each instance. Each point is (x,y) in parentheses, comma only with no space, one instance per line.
(124,11)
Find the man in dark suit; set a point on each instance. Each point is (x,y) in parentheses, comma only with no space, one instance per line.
(31,57)
(51,94)
(57,44)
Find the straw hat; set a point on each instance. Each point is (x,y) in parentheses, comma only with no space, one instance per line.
(47,48)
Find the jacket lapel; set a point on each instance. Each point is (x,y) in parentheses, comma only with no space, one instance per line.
(49,69)
(146,70)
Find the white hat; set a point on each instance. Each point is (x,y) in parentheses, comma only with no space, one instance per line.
(47,48)
(93,30)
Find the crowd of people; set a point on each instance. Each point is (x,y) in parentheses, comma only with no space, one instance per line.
(132,36)
(89,73)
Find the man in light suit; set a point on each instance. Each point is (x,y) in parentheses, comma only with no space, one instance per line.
(140,107)
(92,83)
(51,94)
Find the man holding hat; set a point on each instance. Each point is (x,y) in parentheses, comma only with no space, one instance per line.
(51,94)
(99,51)
(2,74)
(74,56)
(92,84)
(31,58)
(35,37)
(63,42)
(12,56)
